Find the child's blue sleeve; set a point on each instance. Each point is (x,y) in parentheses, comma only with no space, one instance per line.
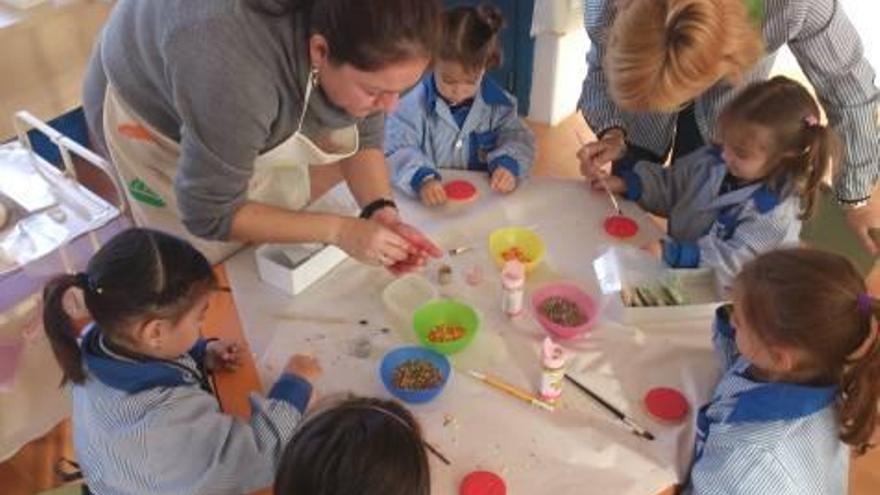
(755,233)
(724,337)
(656,187)
(292,389)
(200,350)
(516,144)
(405,137)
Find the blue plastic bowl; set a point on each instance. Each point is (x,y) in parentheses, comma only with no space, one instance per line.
(398,356)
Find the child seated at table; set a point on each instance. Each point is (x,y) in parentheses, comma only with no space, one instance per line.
(801,355)
(727,203)
(458,118)
(145,419)
(360,445)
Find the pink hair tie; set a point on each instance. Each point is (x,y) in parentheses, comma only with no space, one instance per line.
(863,302)
(811,121)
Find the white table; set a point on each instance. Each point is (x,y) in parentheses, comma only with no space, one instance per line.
(578,446)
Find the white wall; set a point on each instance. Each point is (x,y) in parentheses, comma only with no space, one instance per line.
(560,64)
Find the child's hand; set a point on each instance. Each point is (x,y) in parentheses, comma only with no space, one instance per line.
(503,181)
(304,366)
(596,157)
(432,193)
(221,355)
(610,183)
(655,248)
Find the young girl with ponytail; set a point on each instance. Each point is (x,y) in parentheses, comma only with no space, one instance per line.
(801,355)
(145,419)
(457,117)
(729,202)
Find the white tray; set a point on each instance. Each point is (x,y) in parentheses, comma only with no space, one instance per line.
(700,287)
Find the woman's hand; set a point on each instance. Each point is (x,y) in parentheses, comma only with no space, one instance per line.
(432,193)
(422,247)
(371,242)
(865,222)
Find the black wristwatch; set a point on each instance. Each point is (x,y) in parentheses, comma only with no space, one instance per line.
(375,206)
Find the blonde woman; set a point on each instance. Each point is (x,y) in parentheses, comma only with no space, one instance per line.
(662,70)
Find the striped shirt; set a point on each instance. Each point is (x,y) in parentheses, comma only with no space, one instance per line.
(425,135)
(772,438)
(708,225)
(151,428)
(828,49)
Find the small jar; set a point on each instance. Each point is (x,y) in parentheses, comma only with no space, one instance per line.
(553,370)
(513,281)
(444,275)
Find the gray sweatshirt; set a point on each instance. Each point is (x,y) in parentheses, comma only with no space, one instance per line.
(224,81)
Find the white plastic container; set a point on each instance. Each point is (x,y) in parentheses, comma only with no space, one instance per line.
(700,288)
(292,268)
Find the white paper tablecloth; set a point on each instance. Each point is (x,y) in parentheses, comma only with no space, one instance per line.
(576,448)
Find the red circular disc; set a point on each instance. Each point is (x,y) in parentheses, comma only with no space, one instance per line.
(666,404)
(621,226)
(482,483)
(460,190)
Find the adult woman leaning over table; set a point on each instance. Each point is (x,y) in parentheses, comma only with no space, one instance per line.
(213,110)
(660,71)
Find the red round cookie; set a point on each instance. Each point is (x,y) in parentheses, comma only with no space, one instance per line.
(482,483)
(621,226)
(666,404)
(460,190)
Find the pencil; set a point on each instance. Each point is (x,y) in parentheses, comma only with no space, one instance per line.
(632,425)
(511,390)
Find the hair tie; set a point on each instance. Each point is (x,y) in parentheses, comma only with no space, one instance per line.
(85,282)
(864,302)
(811,121)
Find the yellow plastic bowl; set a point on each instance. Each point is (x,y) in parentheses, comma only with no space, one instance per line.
(527,242)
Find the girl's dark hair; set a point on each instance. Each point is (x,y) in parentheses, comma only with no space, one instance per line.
(139,274)
(471,37)
(804,150)
(367,34)
(817,301)
(361,445)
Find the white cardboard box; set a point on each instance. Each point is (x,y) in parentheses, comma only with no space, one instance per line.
(293,268)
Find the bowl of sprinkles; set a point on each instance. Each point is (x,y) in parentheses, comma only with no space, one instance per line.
(564,310)
(415,375)
(516,243)
(446,326)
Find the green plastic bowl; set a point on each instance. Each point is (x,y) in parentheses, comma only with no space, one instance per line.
(446,312)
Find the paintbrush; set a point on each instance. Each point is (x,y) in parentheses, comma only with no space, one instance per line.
(602,180)
(633,427)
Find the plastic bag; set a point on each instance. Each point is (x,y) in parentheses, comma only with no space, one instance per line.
(620,267)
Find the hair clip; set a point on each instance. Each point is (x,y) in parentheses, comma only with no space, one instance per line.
(811,121)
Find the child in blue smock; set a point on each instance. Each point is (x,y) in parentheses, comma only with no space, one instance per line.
(457,118)
(145,419)
(729,202)
(801,357)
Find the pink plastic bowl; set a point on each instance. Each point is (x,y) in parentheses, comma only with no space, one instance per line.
(574,294)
